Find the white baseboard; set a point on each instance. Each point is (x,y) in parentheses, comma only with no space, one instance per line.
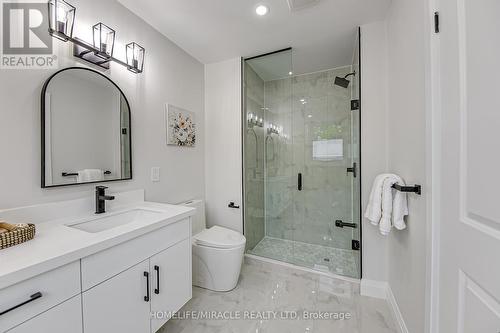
(395,311)
(373,288)
(381,289)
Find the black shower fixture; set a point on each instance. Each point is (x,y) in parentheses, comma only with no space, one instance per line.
(343,81)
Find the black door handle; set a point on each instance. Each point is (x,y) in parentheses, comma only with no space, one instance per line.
(299,182)
(157,290)
(33,297)
(341,224)
(146,298)
(232,205)
(353,170)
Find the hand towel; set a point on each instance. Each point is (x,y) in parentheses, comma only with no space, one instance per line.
(374,209)
(90,175)
(400,208)
(385,225)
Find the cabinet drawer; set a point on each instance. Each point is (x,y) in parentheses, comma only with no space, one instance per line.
(54,287)
(64,318)
(108,263)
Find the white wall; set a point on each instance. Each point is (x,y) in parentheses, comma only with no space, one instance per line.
(373,139)
(407,55)
(394,140)
(171,75)
(223,172)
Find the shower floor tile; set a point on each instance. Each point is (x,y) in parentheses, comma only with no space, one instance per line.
(338,261)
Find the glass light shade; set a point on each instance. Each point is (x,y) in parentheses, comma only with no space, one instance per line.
(135,57)
(61,19)
(104,39)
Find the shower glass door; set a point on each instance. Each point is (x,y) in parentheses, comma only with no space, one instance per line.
(323,153)
(300,148)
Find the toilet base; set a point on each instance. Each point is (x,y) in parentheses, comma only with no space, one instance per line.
(217,269)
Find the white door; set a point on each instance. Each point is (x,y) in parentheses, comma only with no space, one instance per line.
(469,289)
(120,304)
(64,318)
(171,282)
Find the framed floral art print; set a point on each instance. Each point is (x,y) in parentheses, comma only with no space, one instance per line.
(181,126)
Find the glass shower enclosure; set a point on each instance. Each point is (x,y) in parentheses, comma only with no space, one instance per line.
(301,152)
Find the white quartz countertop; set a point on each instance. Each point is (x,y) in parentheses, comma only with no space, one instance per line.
(56,244)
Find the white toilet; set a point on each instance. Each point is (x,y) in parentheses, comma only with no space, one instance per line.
(217,253)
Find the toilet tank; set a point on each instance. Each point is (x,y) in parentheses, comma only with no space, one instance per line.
(199,218)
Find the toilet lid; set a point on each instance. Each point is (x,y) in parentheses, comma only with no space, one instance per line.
(219,237)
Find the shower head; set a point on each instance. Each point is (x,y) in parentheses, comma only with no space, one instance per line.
(343,81)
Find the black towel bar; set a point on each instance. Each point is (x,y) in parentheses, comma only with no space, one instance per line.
(409,189)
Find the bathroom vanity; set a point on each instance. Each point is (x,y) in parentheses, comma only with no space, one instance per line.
(123,271)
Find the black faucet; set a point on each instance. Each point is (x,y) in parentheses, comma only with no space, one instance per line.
(100,199)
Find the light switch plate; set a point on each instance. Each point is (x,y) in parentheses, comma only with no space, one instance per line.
(155,174)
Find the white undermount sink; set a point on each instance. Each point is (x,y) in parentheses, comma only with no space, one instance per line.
(113,220)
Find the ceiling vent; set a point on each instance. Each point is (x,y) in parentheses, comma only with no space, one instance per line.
(301,4)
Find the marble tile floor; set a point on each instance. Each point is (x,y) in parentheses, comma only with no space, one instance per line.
(280,299)
(340,261)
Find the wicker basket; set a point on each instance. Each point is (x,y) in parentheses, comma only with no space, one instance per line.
(17,236)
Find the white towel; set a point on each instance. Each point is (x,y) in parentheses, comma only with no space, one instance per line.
(90,175)
(374,209)
(394,209)
(400,208)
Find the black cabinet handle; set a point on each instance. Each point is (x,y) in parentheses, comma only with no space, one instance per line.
(157,290)
(299,182)
(33,297)
(232,205)
(146,298)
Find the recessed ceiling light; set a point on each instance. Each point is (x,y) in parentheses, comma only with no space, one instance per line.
(262,10)
(290,73)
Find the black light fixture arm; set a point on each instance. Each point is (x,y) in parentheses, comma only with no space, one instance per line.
(91,49)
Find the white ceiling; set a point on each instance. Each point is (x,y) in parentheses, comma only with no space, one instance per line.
(322,36)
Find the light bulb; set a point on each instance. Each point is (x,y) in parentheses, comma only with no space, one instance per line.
(261,10)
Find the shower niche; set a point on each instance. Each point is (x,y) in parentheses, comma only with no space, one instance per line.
(301,134)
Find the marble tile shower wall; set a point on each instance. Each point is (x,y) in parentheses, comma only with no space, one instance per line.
(254,160)
(309,108)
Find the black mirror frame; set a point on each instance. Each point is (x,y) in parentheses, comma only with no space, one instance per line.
(42,116)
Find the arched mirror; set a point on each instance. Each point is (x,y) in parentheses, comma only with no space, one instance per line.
(85,129)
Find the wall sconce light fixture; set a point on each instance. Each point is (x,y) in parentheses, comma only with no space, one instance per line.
(104,40)
(135,57)
(61,19)
(100,53)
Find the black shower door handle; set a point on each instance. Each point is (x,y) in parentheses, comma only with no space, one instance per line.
(299,181)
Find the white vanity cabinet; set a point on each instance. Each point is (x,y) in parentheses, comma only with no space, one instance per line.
(118,304)
(126,302)
(63,318)
(27,299)
(170,289)
(116,289)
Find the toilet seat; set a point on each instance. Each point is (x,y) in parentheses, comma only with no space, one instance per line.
(220,238)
